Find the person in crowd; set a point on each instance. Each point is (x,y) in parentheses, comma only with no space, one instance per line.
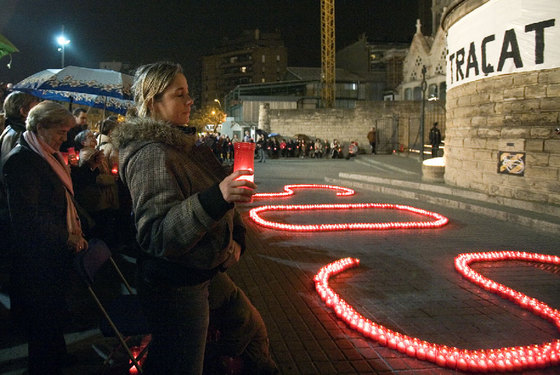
(327,146)
(46,227)
(81,123)
(261,149)
(372,139)
(435,139)
(105,143)
(228,147)
(302,148)
(318,148)
(293,148)
(16,107)
(80,114)
(188,230)
(96,188)
(352,150)
(247,137)
(283,148)
(274,147)
(336,149)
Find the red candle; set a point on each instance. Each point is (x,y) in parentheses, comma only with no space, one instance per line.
(244,158)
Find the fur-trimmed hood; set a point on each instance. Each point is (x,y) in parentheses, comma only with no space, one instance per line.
(144,130)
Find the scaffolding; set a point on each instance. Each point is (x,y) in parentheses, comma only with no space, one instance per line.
(327,53)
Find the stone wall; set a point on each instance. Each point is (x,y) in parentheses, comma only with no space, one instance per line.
(347,125)
(515,113)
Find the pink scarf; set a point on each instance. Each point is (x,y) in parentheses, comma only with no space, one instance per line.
(54,158)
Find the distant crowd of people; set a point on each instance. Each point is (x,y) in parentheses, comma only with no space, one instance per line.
(277,147)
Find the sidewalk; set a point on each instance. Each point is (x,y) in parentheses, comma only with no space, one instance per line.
(406,280)
(402,176)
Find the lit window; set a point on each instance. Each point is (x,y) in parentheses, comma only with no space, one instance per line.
(263,80)
(243,69)
(263,59)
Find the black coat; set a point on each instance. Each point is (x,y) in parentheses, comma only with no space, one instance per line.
(10,136)
(41,260)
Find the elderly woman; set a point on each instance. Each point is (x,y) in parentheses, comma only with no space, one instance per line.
(47,231)
(188,230)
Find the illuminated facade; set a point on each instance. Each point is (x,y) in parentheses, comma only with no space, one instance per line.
(379,66)
(253,57)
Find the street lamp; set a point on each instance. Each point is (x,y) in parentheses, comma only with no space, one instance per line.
(220,104)
(422,118)
(62,42)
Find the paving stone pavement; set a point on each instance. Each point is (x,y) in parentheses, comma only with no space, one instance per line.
(406,280)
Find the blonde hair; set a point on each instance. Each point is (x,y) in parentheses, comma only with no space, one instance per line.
(49,114)
(150,81)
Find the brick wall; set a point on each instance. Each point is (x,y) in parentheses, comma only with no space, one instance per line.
(516,113)
(346,125)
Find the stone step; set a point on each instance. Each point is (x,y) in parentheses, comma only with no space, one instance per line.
(529,214)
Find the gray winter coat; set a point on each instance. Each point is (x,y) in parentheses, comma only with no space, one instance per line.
(180,214)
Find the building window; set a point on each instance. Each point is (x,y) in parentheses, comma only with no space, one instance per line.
(408,94)
(263,59)
(233,59)
(432,91)
(417,93)
(243,69)
(278,58)
(263,80)
(442,91)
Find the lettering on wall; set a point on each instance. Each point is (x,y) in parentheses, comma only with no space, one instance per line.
(504,36)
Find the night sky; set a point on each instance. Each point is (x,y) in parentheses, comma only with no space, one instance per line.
(143,31)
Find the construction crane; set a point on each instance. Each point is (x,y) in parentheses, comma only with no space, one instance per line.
(327,53)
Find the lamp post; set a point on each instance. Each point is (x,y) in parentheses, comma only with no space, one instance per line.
(220,104)
(221,111)
(422,116)
(62,42)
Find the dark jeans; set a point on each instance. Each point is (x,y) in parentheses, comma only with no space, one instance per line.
(242,330)
(178,317)
(435,150)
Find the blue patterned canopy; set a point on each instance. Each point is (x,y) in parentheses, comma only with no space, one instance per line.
(98,88)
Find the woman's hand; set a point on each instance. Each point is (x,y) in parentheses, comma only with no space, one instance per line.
(234,190)
(77,243)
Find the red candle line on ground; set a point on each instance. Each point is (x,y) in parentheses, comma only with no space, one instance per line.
(289,190)
(500,359)
(440,220)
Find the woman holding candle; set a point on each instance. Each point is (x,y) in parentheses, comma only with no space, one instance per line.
(187,226)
